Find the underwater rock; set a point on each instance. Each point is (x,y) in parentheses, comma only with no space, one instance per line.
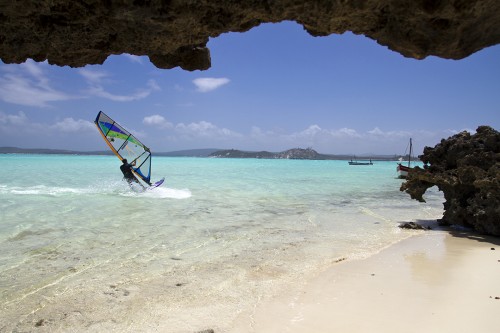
(412,225)
(175,33)
(466,168)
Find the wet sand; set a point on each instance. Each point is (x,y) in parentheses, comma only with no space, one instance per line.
(439,281)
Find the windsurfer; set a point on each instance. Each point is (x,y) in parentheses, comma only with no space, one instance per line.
(128,175)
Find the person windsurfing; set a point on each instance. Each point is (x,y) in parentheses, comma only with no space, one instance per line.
(124,145)
(128,174)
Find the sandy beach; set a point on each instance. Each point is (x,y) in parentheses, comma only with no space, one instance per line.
(439,281)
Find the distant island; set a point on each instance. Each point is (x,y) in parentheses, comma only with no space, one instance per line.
(293,154)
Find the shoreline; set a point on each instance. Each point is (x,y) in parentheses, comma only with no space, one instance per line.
(438,281)
(200,152)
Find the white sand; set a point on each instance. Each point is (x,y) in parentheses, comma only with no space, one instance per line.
(434,282)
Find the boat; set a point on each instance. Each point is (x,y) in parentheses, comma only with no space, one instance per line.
(403,170)
(351,162)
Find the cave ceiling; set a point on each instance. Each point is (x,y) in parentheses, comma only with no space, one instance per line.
(175,33)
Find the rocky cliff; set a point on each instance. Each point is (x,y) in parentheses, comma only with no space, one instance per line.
(175,33)
(467,169)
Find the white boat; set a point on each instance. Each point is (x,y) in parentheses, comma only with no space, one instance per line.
(403,169)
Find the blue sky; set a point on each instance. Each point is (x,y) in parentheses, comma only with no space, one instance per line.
(272,88)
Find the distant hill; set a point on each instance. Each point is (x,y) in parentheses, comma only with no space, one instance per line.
(234,153)
(302,154)
(292,154)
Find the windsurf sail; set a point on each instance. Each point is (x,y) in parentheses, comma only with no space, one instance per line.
(125,145)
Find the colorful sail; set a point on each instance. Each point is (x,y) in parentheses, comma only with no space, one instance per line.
(125,145)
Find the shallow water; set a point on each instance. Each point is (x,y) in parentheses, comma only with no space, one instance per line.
(79,250)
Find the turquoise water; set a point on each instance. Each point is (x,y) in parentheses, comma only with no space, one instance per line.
(79,250)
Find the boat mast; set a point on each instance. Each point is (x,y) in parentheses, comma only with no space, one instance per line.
(409,156)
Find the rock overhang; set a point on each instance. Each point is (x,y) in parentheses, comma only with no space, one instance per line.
(175,33)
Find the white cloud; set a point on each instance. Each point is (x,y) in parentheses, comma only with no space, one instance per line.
(314,133)
(157,121)
(27,84)
(100,92)
(377,132)
(13,119)
(19,125)
(341,140)
(153,85)
(72,125)
(311,131)
(207,84)
(201,129)
(346,133)
(204,129)
(257,133)
(35,70)
(133,58)
(93,76)
(95,80)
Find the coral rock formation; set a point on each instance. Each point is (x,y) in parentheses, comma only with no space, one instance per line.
(175,33)
(467,169)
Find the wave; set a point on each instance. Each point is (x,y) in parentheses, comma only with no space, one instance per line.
(159,193)
(41,190)
(114,188)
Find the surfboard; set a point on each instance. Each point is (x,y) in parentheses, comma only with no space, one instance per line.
(158,183)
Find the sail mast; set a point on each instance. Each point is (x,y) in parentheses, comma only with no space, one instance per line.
(409,156)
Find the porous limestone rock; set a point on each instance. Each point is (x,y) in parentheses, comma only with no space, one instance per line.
(467,169)
(175,32)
